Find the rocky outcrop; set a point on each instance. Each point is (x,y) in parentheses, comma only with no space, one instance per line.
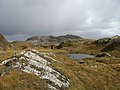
(64,44)
(32,61)
(109,44)
(103,41)
(104,54)
(114,44)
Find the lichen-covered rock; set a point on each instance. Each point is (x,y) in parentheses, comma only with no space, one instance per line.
(32,61)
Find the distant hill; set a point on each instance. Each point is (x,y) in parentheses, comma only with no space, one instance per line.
(102,41)
(114,44)
(48,40)
(3,43)
(109,44)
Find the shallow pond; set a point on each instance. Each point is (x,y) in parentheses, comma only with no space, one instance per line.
(80,56)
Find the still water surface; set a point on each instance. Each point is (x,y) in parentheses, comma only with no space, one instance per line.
(80,56)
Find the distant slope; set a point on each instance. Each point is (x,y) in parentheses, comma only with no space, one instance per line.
(109,44)
(3,43)
(113,45)
(48,40)
(102,41)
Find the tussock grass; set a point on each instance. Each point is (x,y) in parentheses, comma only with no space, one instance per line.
(94,74)
(5,55)
(18,80)
(21,45)
(83,46)
(91,75)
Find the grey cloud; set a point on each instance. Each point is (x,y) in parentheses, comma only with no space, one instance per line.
(89,18)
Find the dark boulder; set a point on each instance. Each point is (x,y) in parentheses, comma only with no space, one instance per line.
(104,54)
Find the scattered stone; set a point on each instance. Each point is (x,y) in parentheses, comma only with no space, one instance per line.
(94,66)
(82,62)
(104,54)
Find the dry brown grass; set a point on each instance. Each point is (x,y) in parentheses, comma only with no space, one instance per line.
(90,75)
(18,80)
(83,46)
(5,55)
(94,74)
(21,45)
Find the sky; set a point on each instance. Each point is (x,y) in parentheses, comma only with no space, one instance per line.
(20,19)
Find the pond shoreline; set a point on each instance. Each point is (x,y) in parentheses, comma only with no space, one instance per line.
(80,56)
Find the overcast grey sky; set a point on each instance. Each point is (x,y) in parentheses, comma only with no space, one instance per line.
(20,19)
